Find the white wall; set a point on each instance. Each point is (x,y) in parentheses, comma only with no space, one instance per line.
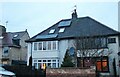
(28,52)
(63,46)
(114,47)
(45,54)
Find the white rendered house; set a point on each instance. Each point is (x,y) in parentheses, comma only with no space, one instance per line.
(97,45)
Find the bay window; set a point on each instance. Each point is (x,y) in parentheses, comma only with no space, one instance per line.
(46,45)
(50,63)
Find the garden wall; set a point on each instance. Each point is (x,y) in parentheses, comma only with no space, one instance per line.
(70,72)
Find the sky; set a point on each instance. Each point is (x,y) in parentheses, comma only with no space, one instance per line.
(36,16)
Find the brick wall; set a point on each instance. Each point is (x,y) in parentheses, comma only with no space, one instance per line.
(70,72)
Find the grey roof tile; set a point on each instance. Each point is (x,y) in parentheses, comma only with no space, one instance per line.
(81,27)
(9,36)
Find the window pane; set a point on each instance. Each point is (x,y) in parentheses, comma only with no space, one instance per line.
(49,60)
(35,60)
(49,45)
(39,65)
(44,60)
(35,64)
(5,51)
(54,60)
(39,60)
(54,45)
(54,65)
(49,65)
(104,66)
(44,45)
(111,40)
(99,66)
(104,43)
(40,46)
(35,46)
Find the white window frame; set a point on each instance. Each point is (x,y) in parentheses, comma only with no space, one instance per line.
(51,49)
(46,62)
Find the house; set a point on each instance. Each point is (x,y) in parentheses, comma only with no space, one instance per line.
(12,46)
(90,42)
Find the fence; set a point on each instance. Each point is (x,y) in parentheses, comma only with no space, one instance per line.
(25,71)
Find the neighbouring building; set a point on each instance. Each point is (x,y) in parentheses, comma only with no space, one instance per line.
(90,42)
(12,46)
(119,28)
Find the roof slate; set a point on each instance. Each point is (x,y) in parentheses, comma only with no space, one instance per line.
(80,27)
(9,36)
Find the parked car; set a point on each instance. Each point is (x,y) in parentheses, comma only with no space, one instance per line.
(6,73)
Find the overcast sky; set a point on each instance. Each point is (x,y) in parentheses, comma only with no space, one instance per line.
(38,16)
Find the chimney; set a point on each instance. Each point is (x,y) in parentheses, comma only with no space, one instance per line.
(2,30)
(74,14)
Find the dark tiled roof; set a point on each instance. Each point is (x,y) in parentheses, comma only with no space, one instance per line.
(9,36)
(80,27)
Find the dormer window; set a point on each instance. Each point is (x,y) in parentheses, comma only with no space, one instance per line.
(61,30)
(52,31)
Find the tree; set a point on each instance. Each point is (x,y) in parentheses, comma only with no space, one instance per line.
(67,60)
(89,47)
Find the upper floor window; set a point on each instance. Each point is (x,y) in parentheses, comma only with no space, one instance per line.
(91,42)
(111,40)
(46,45)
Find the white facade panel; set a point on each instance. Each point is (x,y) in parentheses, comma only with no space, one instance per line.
(63,46)
(113,49)
(29,52)
(45,54)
